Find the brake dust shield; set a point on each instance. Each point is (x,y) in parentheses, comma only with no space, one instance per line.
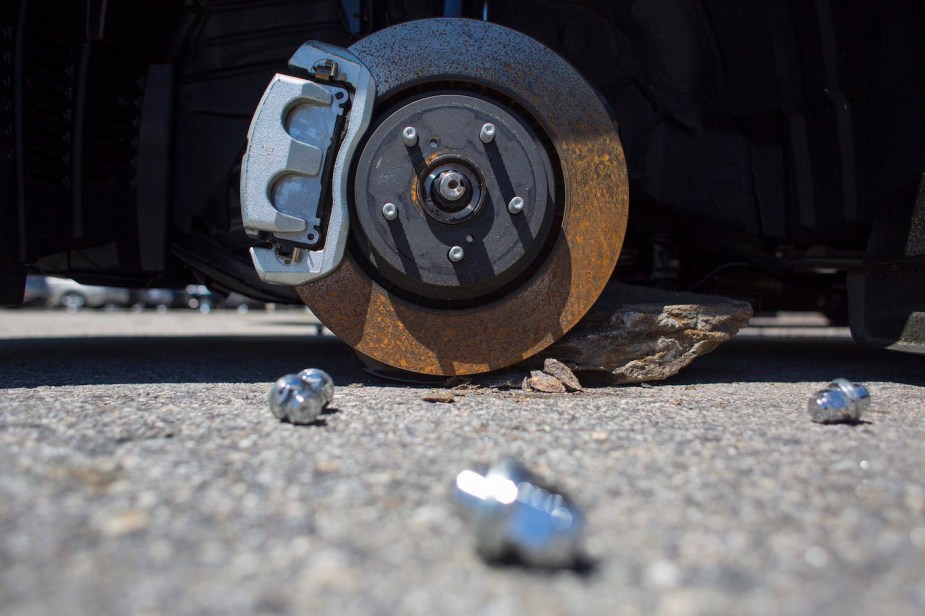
(583,247)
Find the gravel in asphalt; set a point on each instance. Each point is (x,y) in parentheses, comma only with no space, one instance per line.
(142,473)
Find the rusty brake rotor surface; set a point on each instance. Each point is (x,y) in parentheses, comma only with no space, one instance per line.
(489,234)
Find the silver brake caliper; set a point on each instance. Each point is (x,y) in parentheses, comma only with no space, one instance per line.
(294,174)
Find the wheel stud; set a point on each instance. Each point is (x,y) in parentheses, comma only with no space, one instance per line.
(516,206)
(409,136)
(390,211)
(487,134)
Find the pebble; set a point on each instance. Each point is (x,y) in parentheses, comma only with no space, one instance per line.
(125,523)
(546,383)
(445,397)
(662,575)
(556,368)
(816,556)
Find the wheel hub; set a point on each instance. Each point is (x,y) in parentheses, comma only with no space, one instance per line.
(453,239)
(450,190)
(452,186)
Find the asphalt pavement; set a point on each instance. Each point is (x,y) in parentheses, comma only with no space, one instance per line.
(141,473)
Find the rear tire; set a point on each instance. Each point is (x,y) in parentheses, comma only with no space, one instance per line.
(73,301)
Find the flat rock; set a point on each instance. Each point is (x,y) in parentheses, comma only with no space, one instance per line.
(546,383)
(556,368)
(437,396)
(637,334)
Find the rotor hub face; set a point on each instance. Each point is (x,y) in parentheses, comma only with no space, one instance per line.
(451,191)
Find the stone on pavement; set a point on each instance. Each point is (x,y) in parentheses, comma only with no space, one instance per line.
(546,383)
(556,368)
(438,396)
(638,334)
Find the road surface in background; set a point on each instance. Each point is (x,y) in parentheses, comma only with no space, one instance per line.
(142,473)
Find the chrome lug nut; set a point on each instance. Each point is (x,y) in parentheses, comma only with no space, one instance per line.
(516,205)
(487,134)
(456,254)
(300,398)
(319,381)
(292,400)
(409,136)
(390,211)
(514,515)
(840,402)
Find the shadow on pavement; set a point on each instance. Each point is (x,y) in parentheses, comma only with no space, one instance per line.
(804,359)
(261,359)
(181,359)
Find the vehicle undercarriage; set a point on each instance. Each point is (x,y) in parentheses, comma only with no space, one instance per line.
(769,150)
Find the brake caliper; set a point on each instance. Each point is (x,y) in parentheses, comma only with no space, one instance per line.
(301,141)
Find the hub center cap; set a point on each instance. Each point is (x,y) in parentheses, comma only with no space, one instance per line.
(452,185)
(452,190)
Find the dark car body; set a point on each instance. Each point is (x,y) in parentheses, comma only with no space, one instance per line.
(775,147)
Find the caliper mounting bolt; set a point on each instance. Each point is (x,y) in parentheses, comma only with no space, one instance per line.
(456,254)
(514,515)
(516,205)
(409,137)
(390,211)
(487,134)
(300,398)
(840,402)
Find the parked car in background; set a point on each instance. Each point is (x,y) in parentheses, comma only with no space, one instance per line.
(159,299)
(73,296)
(198,297)
(37,292)
(240,303)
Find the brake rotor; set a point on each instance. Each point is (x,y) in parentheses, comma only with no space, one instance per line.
(487,234)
